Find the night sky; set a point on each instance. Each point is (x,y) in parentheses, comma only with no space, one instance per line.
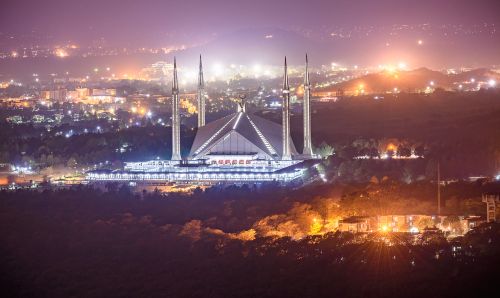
(120,20)
(213,26)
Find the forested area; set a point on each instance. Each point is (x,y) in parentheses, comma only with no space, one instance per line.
(237,242)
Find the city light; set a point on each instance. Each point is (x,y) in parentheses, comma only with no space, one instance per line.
(218,69)
(257,70)
(492,83)
(61,53)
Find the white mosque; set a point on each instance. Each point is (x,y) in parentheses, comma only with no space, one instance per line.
(241,147)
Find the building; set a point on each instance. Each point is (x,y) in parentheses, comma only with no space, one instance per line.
(159,71)
(56,94)
(103,92)
(355,224)
(470,222)
(82,93)
(491,207)
(238,148)
(16,119)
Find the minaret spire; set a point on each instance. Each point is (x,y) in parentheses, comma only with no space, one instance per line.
(286,85)
(176,140)
(201,97)
(307,113)
(286,116)
(175,83)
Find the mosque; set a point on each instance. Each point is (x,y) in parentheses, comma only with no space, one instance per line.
(238,148)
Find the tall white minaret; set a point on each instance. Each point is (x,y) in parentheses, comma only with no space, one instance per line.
(307,113)
(201,97)
(286,117)
(176,123)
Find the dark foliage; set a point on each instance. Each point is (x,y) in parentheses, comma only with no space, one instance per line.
(85,242)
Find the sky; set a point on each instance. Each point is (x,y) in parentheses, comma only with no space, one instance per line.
(236,29)
(119,20)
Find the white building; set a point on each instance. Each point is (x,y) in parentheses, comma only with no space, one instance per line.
(240,147)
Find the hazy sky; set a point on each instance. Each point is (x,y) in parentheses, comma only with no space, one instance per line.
(234,30)
(125,19)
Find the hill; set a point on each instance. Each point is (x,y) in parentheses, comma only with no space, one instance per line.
(411,81)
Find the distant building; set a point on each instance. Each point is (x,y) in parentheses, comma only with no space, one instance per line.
(470,222)
(55,95)
(58,117)
(82,93)
(355,224)
(72,95)
(103,92)
(491,207)
(37,118)
(45,94)
(103,96)
(159,71)
(16,119)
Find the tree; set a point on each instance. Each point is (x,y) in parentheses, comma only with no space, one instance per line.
(324,150)
(72,163)
(347,152)
(404,151)
(453,222)
(425,222)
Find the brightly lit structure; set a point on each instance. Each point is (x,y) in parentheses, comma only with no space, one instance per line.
(238,148)
(286,154)
(491,207)
(201,96)
(176,122)
(307,151)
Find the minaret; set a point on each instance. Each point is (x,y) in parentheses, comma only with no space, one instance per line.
(307,113)
(201,97)
(286,117)
(176,123)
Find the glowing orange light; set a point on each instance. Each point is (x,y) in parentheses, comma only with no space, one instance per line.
(61,53)
(391,147)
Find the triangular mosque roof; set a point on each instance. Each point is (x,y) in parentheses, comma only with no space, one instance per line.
(264,134)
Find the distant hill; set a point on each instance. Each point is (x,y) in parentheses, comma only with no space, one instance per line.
(412,80)
(480,74)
